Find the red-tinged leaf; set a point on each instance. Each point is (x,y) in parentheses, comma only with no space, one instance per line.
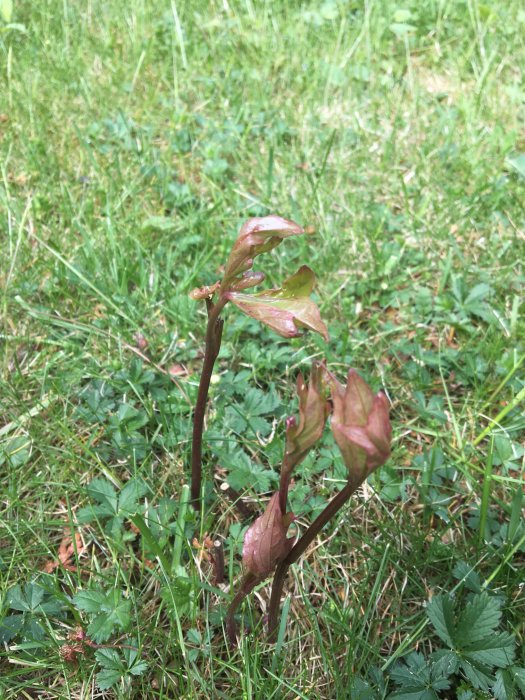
(360,425)
(257,235)
(265,542)
(313,411)
(248,279)
(359,399)
(286,310)
(204,292)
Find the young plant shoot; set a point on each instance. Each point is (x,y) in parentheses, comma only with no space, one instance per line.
(265,542)
(361,428)
(287,310)
(359,419)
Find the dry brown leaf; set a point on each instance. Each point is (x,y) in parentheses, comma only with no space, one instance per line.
(177,371)
(66,552)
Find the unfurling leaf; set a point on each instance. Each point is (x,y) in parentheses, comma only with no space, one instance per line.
(360,425)
(251,278)
(265,542)
(204,292)
(313,411)
(257,235)
(285,310)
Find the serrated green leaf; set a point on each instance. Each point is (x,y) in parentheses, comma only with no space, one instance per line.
(440,612)
(90,601)
(362,690)
(131,655)
(130,494)
(465,695)
(161,522)
(238,421)
(133,662)
(118,608)
(421,694)
(138,668)
(510,683)
(10,626)
(51,606)
(474,639)
(464,572)
(89,513)
(16,599)
(504,688)
(480,617)
(27,599)
(34,631)
(478,677)
(178,595)
(115,667)
(110,610)
(34,594)
(101,628)
(445,662)
(419,678)
(109,659)
(104,492)
(150,541)
(245,473)
(114,528)
(495,650)
(260,403)
(107,678)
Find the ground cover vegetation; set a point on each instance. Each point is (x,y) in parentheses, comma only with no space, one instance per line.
(136,138)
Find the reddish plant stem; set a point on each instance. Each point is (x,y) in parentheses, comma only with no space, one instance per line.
(287,467)
(248,584)
(213,345)
(298,549)
(218,562)
(284,485)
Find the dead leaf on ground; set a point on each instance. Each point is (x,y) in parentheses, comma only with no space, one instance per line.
(178,370)
(66,552)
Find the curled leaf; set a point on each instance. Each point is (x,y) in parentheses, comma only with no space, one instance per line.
(361,425)
(313,411)
(257,235)
(205,292)
(265,542)
(286,310)
(248,279)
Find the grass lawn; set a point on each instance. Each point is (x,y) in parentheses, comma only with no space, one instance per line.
(135,138)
